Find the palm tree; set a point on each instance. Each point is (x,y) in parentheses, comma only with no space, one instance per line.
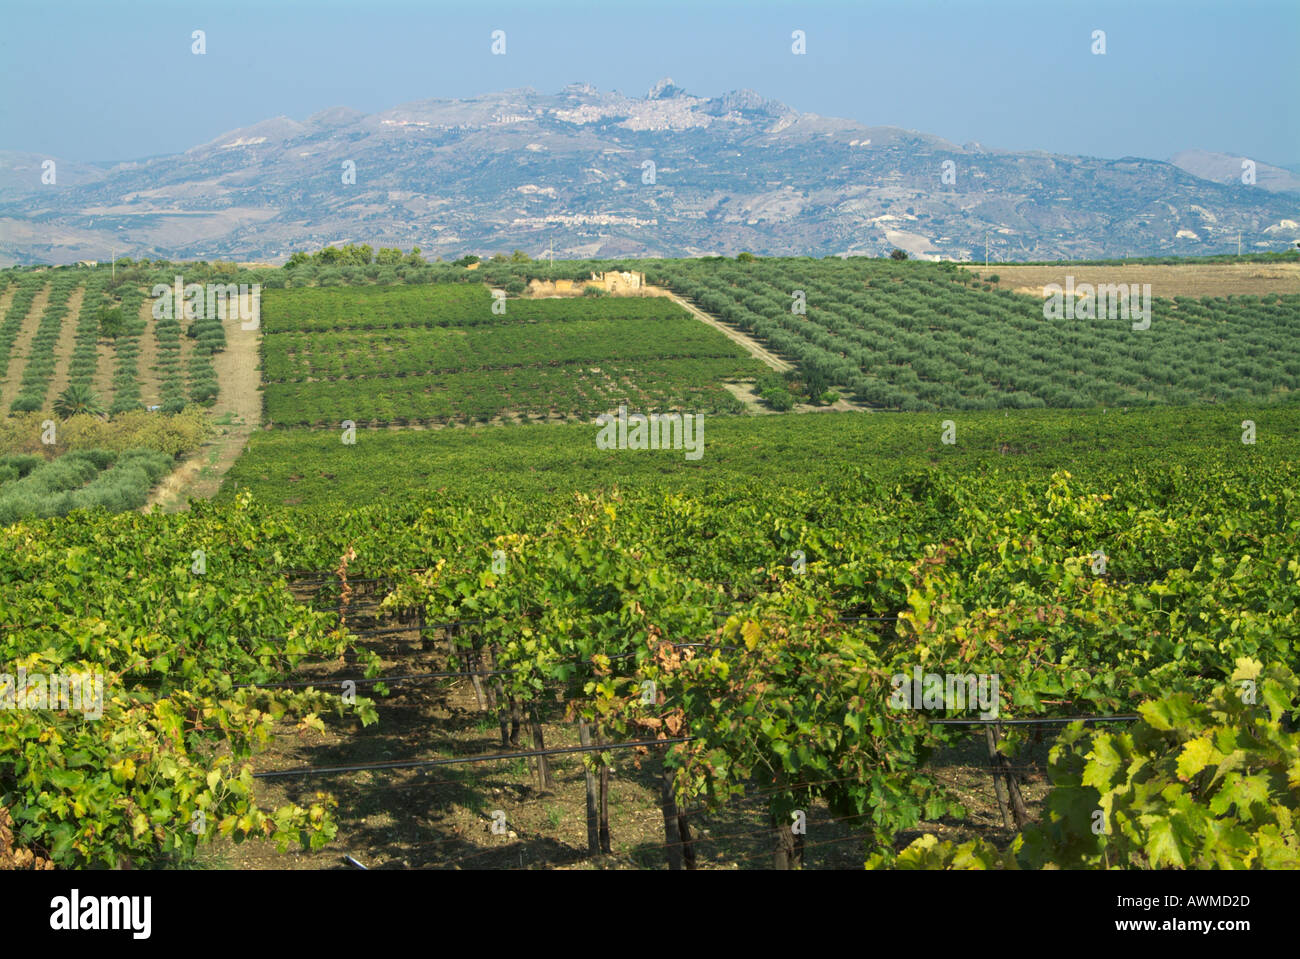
(78,398)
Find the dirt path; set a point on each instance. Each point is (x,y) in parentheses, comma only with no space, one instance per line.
(237,413)
(147,364)
(105,363)
(65,344)
(22,346)
(6,298)
(744,391)
(756,350)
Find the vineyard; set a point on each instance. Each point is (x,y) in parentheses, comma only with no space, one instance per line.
(926,336)
(441,353)
(504,645)
(744,634)
(313,468)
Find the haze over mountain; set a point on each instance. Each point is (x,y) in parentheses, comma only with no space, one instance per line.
(1222,168)
(602,174)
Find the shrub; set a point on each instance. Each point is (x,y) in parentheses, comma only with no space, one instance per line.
(111,324)
(778,399)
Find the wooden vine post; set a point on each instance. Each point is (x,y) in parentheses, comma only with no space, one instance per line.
(544,778)
(593,818)
(605,845)
(788,847)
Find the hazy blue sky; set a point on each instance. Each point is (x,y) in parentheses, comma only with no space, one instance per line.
(116,80)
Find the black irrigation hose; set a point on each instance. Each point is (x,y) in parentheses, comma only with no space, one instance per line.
(483,673)
(333,579)
(363,605)
(413,629)
(471,622)
(334,574)
(1046,721)
(359,680)
(565,750)
(368,632)
(456,760)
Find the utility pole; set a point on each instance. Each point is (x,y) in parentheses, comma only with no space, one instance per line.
(1238,243)
(986,248)
(113,264)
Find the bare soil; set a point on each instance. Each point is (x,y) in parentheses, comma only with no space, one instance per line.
(6,298)
(236,413)
(21,348)
(66,342)
(756,349)
(102,381)
(1218,279)
(441,817)
(745,391)
(147,362)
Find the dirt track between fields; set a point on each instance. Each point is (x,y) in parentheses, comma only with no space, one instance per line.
(238,411)
(756,349)
(67,342)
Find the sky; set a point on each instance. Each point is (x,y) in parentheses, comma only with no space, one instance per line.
(107,81)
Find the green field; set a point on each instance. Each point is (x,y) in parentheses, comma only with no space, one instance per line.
(928,336)
(978,563)
(314,467)
(925,336)
(85,479)
(439,353)
(1132,556)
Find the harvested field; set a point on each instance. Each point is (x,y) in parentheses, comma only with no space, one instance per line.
(1192,279)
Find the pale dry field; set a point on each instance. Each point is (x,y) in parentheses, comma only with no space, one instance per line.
(1219,279)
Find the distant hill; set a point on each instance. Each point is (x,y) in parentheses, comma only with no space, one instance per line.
(1223,168)
(527,169)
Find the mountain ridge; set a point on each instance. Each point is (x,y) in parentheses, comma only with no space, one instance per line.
(598,173)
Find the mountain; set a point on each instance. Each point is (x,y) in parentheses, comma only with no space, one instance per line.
(603,174)
(1223,168)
